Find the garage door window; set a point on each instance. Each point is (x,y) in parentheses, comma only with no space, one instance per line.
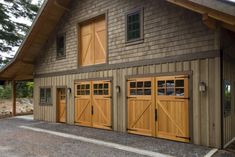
(140,88)
(101,89)
(83,89)
(170,88)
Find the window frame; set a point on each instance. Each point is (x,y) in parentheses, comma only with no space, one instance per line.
(141,38)
(57,37)
(45,103)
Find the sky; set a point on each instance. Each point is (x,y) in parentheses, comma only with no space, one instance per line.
(26,21)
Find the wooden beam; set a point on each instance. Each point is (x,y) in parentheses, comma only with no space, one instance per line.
(227,21)
(13,98)
(27,62)
(209,22)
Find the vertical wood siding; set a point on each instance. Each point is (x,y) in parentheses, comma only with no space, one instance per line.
(229,121)
(205,107)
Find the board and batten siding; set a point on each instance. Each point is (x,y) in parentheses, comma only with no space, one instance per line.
(229,121)
(168,31)
(205,107)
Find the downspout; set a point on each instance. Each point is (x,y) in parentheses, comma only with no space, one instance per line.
(222,96)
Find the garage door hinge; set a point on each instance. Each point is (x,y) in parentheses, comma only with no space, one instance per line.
(155,114)
(187,138)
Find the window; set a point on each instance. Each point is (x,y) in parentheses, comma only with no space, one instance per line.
(60,46)
(83,89)
(140,88)
(134,26)
(170,87)
(45,96)
(101,89)
(93,42)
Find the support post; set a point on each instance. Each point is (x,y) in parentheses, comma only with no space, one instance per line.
(13,98)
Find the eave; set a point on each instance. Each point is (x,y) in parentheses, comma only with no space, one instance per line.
(22,65)
(211,17)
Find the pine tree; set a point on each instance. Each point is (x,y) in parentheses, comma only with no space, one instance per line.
(12,31)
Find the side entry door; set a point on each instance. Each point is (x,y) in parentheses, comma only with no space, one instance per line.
(61,105)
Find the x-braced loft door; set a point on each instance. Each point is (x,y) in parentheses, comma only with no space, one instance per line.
(159,107)
(93,104)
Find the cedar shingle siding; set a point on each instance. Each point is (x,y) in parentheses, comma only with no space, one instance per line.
(168,31)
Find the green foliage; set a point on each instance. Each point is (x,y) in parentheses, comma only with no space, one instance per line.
(5,91)
(13,30)
(23,90)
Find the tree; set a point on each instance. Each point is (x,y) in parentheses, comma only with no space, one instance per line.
(13,14)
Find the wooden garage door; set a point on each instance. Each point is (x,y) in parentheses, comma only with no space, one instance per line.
(140,106)
(93,104)
(172,108)
(93,42)
(101,104)
(83,104)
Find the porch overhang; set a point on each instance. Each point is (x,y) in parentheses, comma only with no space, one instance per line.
(22,65)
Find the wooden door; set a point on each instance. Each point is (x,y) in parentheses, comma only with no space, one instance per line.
(172,108)
(61,105)
(140,106)
(100,41)
(83,104)
(101,104)
(87,44)
(93,42)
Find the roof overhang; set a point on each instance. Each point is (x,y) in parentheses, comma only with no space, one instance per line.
(211,17)
(22,65)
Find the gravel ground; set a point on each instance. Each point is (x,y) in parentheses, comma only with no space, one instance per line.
(19,142)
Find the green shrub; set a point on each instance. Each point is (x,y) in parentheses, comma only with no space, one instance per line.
(6,91)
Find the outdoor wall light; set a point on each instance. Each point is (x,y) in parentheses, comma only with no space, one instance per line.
(118,89)
(69,90)
(202,86)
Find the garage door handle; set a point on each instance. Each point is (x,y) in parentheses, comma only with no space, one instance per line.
(155,114)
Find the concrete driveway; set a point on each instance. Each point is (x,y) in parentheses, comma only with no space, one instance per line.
(24,137)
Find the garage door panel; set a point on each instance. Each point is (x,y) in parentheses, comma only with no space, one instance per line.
(102,114)
(83,111)
(172,108)
(140,106)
